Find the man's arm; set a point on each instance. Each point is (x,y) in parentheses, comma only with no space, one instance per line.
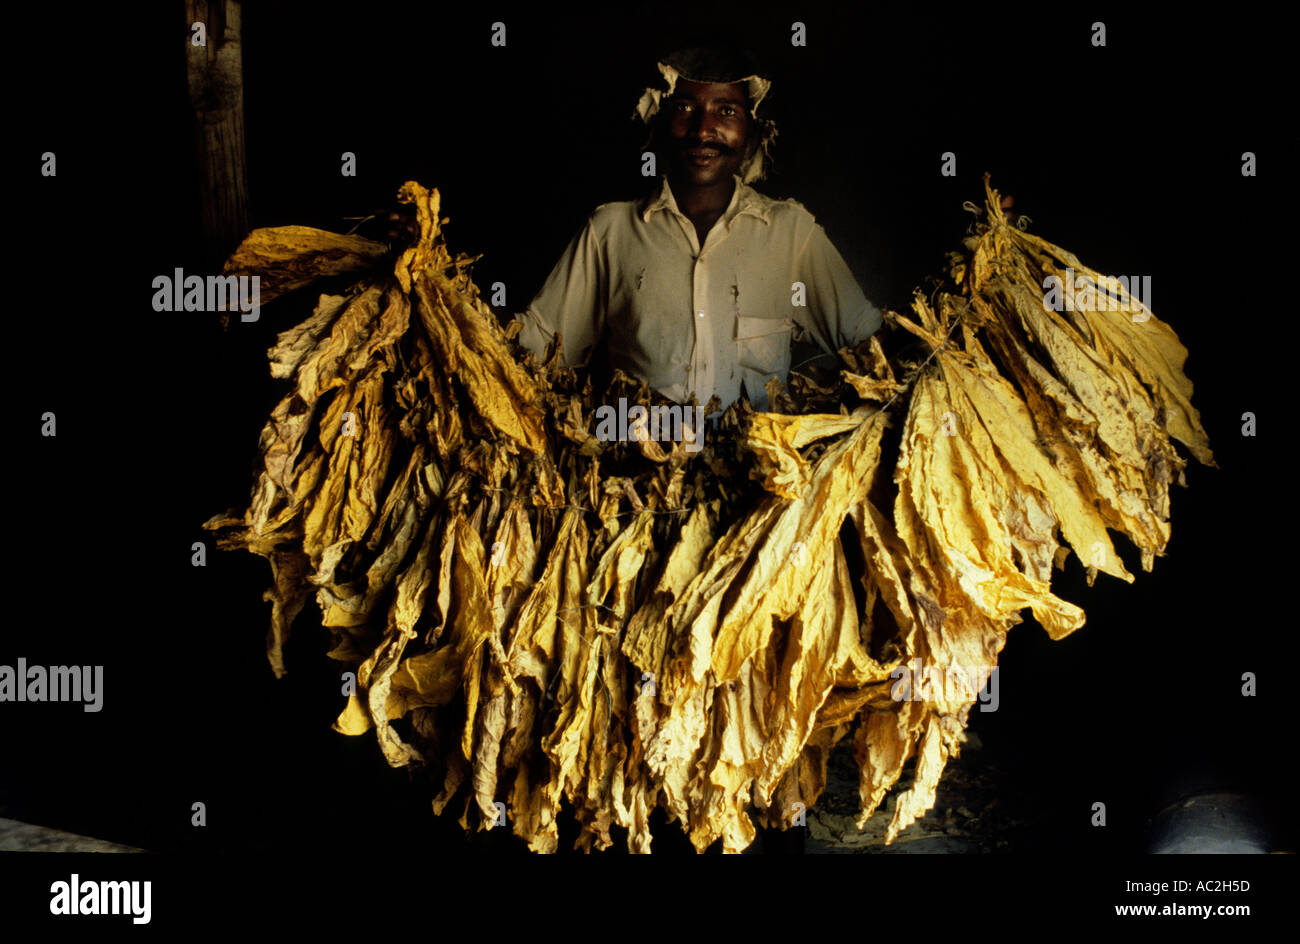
(571,302)
(838,313)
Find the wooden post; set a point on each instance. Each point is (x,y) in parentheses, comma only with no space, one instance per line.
(216,83)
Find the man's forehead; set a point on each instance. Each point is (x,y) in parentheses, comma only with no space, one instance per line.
(711,91)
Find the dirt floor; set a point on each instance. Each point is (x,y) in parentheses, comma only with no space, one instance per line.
(971,815)
(968,815)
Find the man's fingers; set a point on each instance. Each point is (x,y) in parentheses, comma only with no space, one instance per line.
(399,225)
(1006,203)
(403,224)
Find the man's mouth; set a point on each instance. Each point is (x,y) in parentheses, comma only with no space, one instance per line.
(701,156)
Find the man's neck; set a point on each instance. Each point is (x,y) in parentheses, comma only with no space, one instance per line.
(702,201)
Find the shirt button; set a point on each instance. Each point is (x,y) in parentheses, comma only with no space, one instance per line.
(700,313)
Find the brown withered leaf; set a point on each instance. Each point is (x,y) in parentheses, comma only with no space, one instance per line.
(290,257)
(552,621)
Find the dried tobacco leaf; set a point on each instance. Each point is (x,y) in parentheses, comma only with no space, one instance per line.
(550,619)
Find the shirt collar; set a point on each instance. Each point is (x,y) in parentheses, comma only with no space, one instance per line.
(744,199)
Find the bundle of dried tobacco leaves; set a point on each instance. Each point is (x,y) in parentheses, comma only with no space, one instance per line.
(545,617)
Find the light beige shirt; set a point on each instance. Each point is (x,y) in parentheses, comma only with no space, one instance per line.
(692,320)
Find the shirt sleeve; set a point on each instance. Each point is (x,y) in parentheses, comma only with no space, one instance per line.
(571,302)
(838,313)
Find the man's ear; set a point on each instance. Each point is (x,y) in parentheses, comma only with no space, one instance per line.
(752,137)
(659,128)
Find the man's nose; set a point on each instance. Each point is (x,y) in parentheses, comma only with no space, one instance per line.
(702,124)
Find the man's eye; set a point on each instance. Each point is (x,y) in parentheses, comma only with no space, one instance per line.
(729,111)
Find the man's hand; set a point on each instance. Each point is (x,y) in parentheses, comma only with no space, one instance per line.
(1006,204)
(396,226)
(401,224)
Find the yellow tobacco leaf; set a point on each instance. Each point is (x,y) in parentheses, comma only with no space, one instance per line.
(289,257)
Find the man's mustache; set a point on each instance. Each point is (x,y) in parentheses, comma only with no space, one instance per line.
(722,149)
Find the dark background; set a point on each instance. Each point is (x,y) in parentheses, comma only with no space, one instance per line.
(1129,156)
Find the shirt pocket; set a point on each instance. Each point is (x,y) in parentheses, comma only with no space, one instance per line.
(764,343)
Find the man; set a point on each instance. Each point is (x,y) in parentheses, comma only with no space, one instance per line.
(700,288)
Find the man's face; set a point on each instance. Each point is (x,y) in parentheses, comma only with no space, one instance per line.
(708,128)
